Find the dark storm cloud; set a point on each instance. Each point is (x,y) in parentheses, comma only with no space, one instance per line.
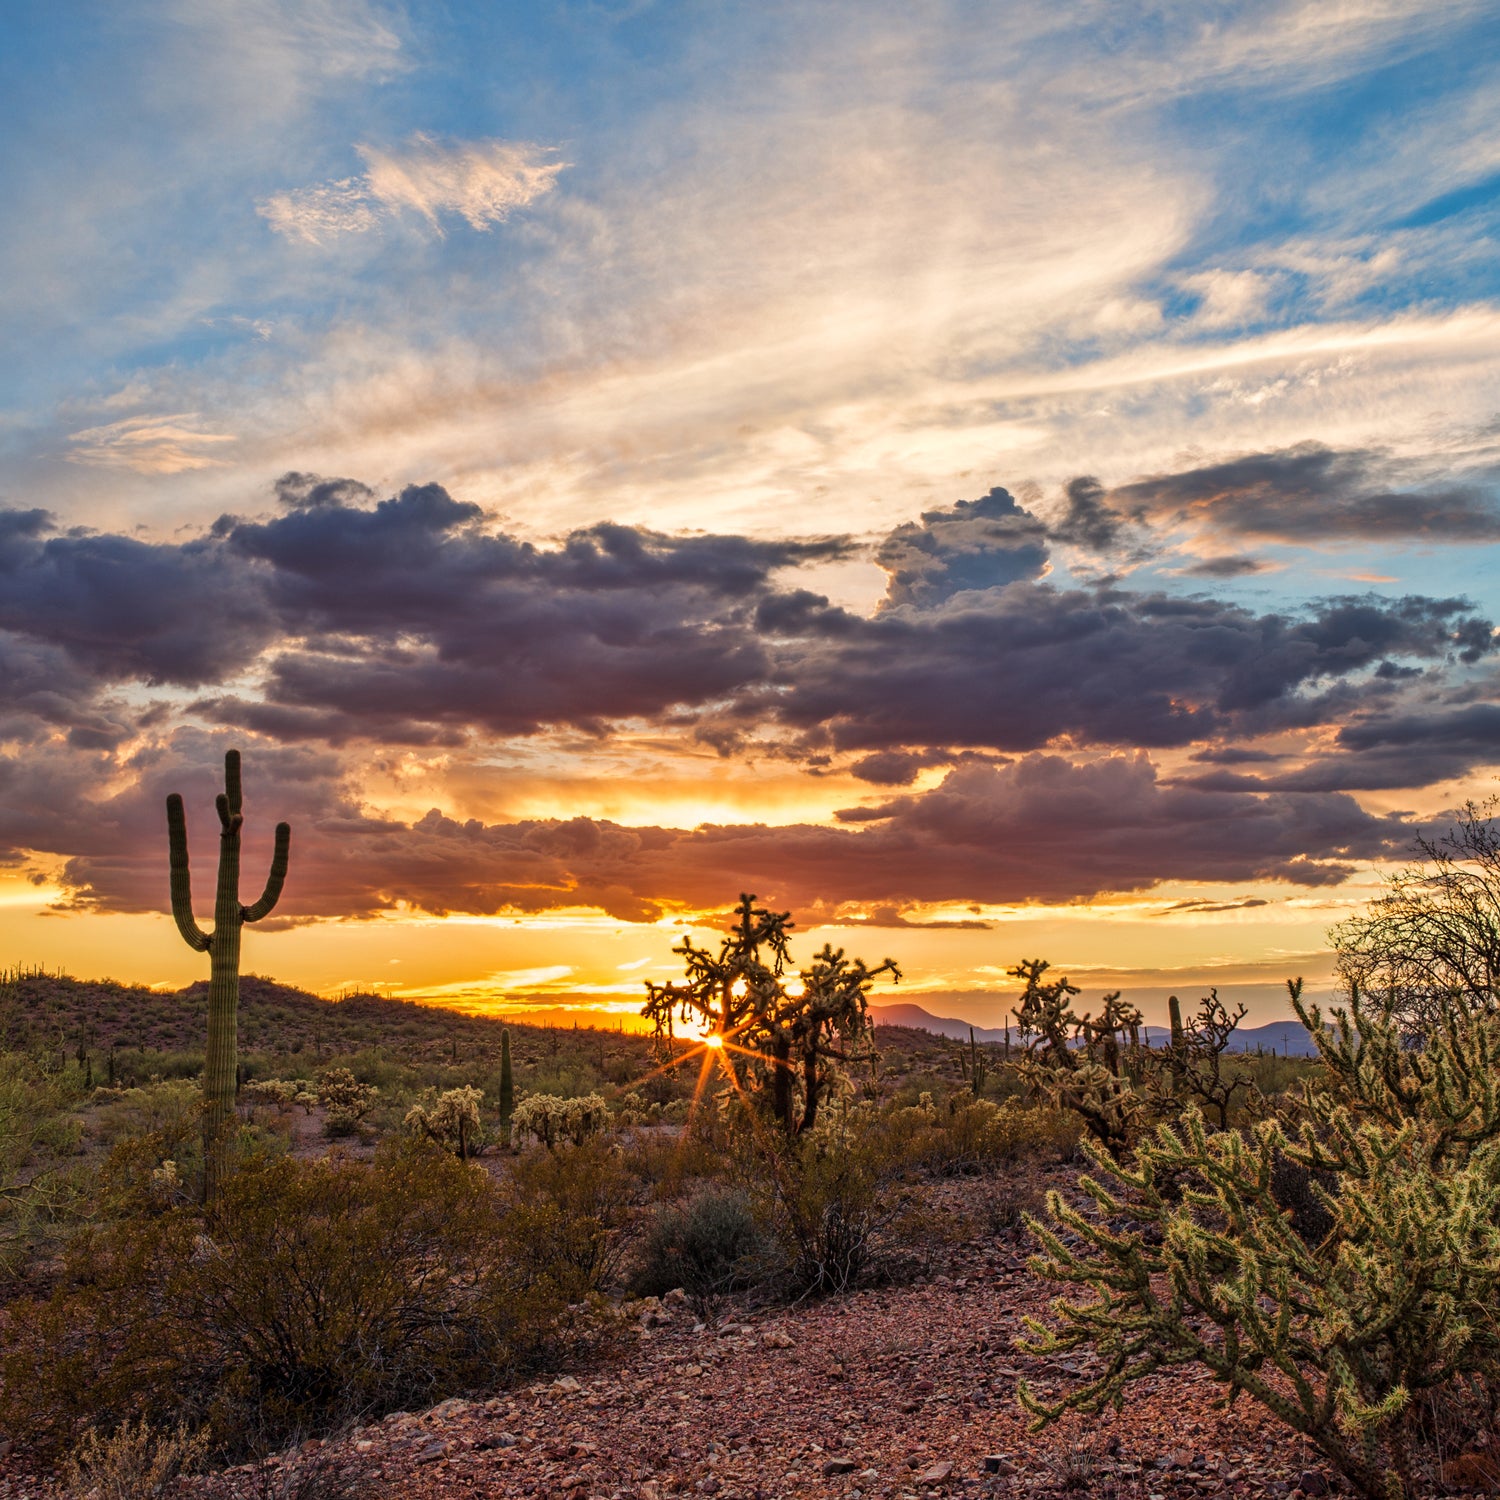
(413,621)
(126,609)
(1224,567)
(1043,828)
(973,544)
(410,619)
(1018,668)
(1089,521)
(1314,493)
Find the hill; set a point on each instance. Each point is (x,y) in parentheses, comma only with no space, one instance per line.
(278,1021)
(1284,1038)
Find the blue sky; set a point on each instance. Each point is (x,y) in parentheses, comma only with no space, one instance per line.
(760,273)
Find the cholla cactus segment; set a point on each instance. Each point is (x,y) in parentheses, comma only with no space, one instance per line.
(220,1069)
(450,1119)
(553,1120)
(1186,1256)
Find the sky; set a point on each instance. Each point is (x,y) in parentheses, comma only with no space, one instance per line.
(996,480)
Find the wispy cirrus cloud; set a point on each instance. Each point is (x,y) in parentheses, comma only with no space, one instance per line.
(482,182)
(168,444)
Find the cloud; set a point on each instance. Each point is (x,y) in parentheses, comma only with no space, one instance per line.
(316,214)
(1227,299)
(1043,829)
(149,445)
(126,610)
(483,182)
(972,544)
(1236,565)
(415,620)
(1022,666)
(1313,493)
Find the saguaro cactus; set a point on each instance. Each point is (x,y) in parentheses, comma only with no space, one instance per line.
(223,947)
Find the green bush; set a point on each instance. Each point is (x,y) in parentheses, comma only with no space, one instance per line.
(568,1215)
(309,1291)
(710,1246)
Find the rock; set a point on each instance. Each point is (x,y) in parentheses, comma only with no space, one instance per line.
(836,1372)
(648,1490)
(922,1387)
(565,1385)
(998,1463)
(776,1338)
(454,1406)
(839,1466)
(1313,1482)
(434,1451)
(937,1474)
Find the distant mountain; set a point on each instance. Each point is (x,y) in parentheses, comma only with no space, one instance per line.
(921,1020)
(1286,1038)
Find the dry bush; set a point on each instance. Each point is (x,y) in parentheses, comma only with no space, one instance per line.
(136,1462)
(568,1215)
(308,1292)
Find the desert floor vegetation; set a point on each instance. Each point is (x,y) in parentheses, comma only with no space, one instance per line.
(422,1212)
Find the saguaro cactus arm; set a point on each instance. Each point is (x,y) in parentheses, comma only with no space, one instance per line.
(182,881)
(275,880)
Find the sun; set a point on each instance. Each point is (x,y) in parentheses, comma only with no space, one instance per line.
(714,1040)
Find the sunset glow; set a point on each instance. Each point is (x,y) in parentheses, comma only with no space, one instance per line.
(989,482)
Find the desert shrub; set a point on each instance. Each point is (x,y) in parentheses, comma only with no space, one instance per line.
(710,1246)
(972,1136)
(837,1204)
(1190,1256)
(551,1119)
(41,1186)
(568,1214)
(306,1292)
(137,1462)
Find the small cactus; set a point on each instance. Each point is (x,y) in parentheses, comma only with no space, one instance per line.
(979,1067)
(507,1084)
(223,947)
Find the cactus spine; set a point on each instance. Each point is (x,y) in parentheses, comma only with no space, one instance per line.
(507,1083)
(223,948)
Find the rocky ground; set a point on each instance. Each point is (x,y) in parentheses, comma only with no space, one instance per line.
(903,1393)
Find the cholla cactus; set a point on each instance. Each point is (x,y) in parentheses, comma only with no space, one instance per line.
(346,1100)
(451,1119)
(783,1040)
(550,1119)
(1085,1078)
(1340,1340)
(220,1065)
(279,1091)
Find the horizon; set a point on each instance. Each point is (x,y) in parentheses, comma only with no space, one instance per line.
(994,485)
